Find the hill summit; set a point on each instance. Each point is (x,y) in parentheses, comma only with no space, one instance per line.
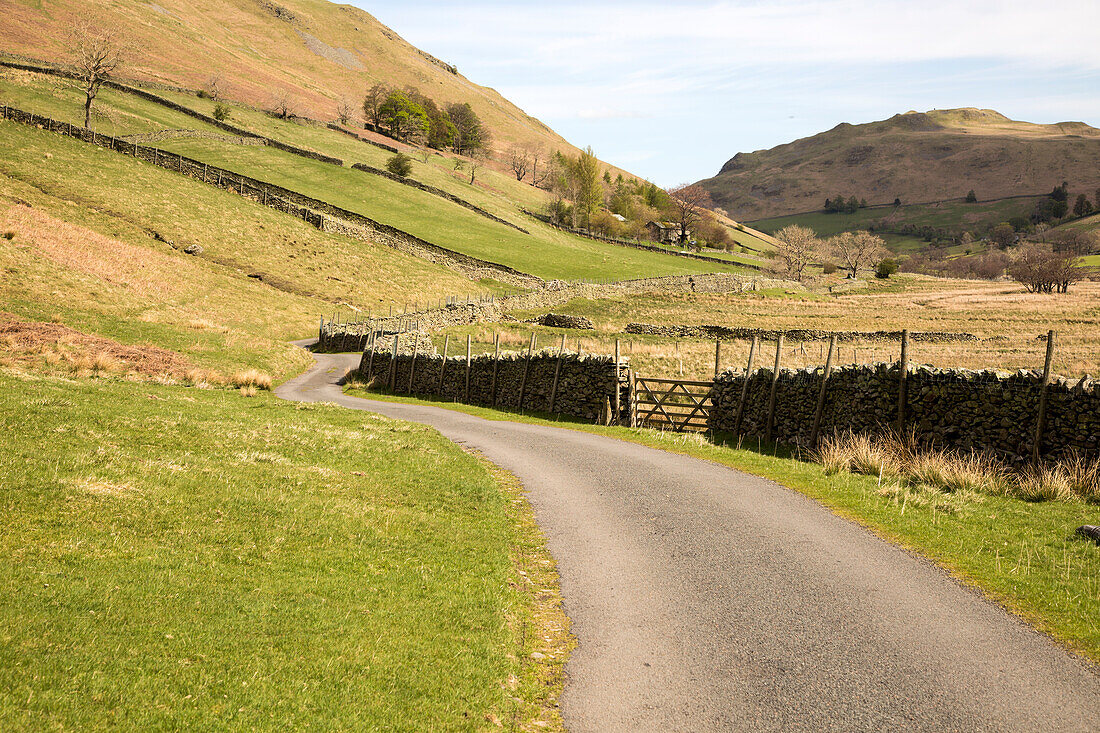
(916,156)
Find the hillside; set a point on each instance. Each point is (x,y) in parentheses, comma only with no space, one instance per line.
(315,51)
(917,157)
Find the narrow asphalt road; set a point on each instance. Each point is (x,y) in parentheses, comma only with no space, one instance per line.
(707,599)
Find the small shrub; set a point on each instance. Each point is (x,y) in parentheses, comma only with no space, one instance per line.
(828,268)
(251,378)
(399,165)
(202,94)
(221,112)
(885,269)
(9,236)
(248,391)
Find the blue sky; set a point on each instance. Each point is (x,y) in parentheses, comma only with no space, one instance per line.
(672,90)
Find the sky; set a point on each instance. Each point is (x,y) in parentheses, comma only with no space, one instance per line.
(670,91)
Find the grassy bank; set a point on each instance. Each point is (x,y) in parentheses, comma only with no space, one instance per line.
(187,558)
(1023,555)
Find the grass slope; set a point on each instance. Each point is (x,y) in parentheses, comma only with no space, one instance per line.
(181,558)
(85,255)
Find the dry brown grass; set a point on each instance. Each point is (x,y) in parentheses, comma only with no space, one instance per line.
(910,469)
(1008,320)
(54,345)
(251,378)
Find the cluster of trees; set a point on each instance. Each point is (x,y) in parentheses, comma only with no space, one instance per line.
(588,198)
(412,117)
(841,205)
(798,247)
(1043,270)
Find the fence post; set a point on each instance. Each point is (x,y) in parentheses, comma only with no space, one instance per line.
(443,366)
(526,369)
(557,374)
(412,364)
(821,395)
(745,386)
(717,355)
(618,395)
(467,367)
(496,366)
(903,380)
(775,387)
(370,360)
(1041,422)
(393,362)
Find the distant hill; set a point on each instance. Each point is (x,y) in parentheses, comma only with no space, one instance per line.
(316,51)
(916,156)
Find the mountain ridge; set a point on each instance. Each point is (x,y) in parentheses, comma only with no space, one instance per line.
(914,156)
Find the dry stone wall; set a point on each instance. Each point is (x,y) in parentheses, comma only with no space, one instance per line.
(636,245)
(436,192)
(585,385)
(962,410)
(792,334)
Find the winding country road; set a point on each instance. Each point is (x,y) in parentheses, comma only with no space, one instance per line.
(707,599)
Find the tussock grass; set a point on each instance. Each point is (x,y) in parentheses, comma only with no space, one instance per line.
(859,454)
(251,378)
(966,475)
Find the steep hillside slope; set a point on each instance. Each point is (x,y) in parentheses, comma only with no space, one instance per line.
(315,51)
(916,156)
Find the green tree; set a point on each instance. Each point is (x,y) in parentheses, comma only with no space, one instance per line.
(886,268)
(588,191)
(971,197)
(1082,207)
(400,165)
(470,133)
(405,118)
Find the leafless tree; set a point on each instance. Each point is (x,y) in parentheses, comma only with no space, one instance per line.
(539,175)
(1042,270)
(857,249)
(98,54)
(344,111)
(689,201)
(373,101)
(281,105)
(519,159)
(795,246)
(475,165)
(215,86)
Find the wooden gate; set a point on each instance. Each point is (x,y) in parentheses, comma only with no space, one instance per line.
(671,404)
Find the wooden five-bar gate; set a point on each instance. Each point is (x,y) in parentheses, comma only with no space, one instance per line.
(671,404)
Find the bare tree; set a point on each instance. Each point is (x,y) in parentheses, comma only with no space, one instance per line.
(1042,270)
(344,111)
(475,165)
(281,105)
(98,55)
(519,159)
(539,175)
(215,86)
(857,249)
(795,245)
(372,103)
(689,202)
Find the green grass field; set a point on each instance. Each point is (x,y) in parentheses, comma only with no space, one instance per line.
(186,558)
(954,215)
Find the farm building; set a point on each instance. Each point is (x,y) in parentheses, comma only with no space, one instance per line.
(665,231)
